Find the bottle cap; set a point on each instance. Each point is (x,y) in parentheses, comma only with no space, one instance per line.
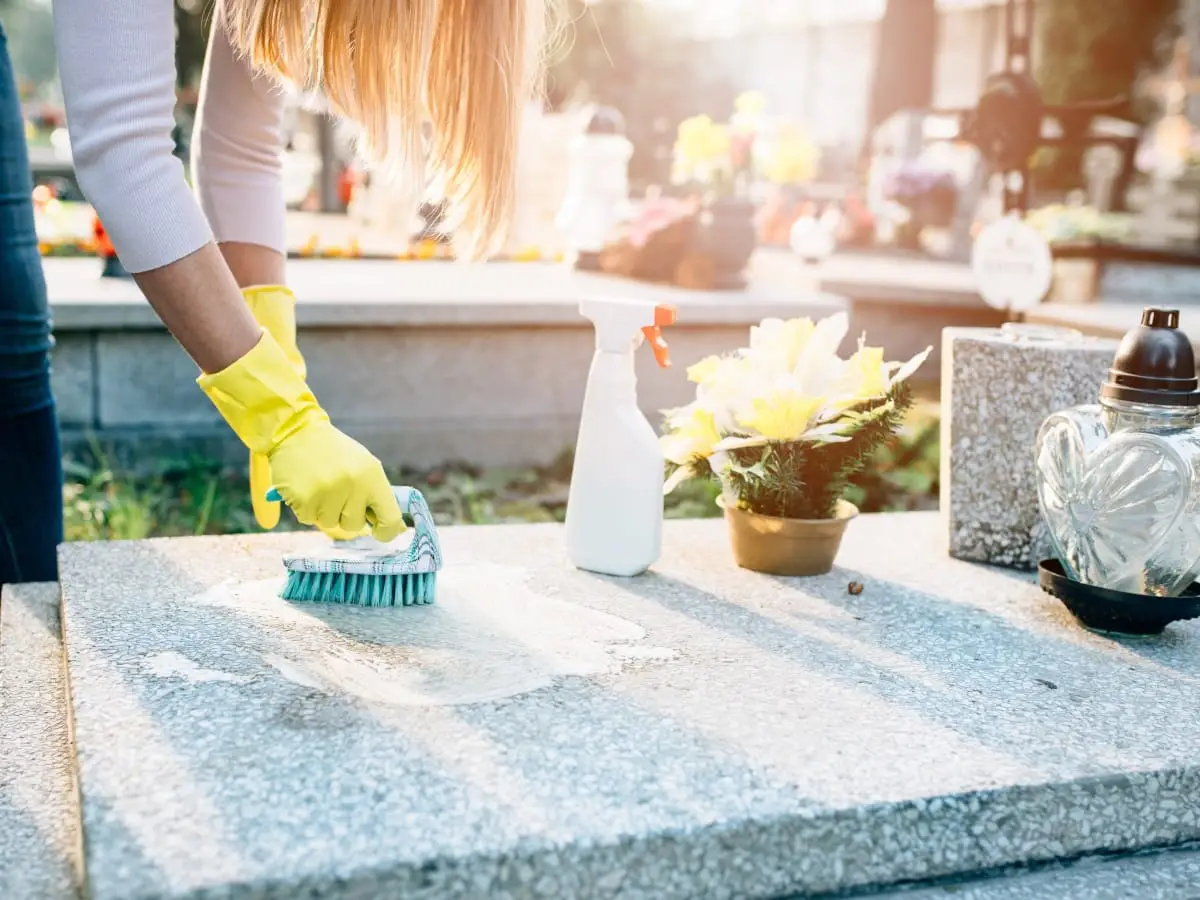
(1154,364)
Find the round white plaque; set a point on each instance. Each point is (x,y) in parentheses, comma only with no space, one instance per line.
(1012,265)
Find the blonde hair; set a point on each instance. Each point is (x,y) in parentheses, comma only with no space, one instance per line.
(467,68)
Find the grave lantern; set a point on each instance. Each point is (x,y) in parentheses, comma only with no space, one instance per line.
(106,252)
(597,195)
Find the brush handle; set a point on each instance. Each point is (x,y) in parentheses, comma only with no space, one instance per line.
(424,552)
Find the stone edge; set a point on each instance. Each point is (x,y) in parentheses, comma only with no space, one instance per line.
(39,762)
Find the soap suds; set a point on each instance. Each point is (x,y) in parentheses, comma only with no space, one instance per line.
(175,665)
(488,637)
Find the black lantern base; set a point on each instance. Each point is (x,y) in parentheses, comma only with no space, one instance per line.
(113,268)
(586,261)
(1102,609)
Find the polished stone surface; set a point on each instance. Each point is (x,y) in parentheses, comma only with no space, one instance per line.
(39,819)
(542,732)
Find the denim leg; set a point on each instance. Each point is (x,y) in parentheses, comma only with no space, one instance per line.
(30,459)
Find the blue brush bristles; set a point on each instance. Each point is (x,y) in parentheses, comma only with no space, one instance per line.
(363,572)
(361,590)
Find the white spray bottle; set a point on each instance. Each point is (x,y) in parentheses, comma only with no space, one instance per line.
(615,504)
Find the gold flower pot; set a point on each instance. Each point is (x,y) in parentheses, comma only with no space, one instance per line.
(787,546)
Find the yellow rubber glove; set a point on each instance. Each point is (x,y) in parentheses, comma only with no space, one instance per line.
(274,308)
(326,477)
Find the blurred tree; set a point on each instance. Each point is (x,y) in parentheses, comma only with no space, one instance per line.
(193,18)
(1097,50)
(904,60)
(633,56)
(30,29)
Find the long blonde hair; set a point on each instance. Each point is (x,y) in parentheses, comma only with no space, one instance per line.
(465,67)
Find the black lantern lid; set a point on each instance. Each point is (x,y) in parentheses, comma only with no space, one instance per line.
(605,120)
(1154,364)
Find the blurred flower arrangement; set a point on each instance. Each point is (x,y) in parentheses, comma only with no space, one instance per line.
(703,154)
(1061,223)
(789,156)
(928,193)
(728,157)
(784,423)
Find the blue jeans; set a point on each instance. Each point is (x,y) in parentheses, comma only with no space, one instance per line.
(31,503)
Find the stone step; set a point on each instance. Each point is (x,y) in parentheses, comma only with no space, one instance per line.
(1160,875)
(543,732)
(39,815)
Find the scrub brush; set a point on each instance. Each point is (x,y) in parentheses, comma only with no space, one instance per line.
(366,572)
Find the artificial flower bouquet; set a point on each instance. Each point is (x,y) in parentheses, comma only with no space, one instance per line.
(1067,223)
(784,423)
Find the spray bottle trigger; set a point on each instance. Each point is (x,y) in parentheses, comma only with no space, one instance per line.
(664,314)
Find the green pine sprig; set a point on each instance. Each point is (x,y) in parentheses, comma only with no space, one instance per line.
(804,480)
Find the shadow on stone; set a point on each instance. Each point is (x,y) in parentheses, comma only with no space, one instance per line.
(993,680)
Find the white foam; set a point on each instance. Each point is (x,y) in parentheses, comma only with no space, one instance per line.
(488,637)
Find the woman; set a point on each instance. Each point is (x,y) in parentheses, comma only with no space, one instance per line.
(214,270)
(30,462)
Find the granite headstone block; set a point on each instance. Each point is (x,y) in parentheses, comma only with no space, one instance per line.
(39,816)
(998,386)
(539,732)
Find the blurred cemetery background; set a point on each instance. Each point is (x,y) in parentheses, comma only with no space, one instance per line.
(784,157)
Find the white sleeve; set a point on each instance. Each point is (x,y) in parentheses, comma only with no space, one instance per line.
(116,60)
(236,146)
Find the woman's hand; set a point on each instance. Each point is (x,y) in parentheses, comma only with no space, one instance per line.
(274,308)
(326,477)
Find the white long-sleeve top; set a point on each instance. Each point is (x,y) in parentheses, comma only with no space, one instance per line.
(116,61)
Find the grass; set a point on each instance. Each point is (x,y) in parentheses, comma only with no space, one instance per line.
(197,496)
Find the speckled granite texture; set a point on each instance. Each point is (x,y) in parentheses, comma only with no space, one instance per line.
(699,732)
(1169,875)
(996,392)
(39,819)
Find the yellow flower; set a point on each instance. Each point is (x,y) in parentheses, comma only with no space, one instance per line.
(750,103)
(704,370)
(782,415)
(869,371)
(700,141)
(791,158)
(777,344)
(693,433)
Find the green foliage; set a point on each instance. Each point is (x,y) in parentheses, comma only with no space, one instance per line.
(29,28)
(193,19)
(193,497)
(903,473)
(202,497)
(802,480)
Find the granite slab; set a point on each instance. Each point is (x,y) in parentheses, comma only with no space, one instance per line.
(39,816)
(1109,320)
(1161,875)
(379,293)
(701,731)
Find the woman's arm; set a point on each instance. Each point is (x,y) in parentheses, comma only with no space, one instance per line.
(117,66)
(236,164)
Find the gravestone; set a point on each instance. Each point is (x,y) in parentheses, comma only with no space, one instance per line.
(1101,166)
(543,732)
(998,386)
